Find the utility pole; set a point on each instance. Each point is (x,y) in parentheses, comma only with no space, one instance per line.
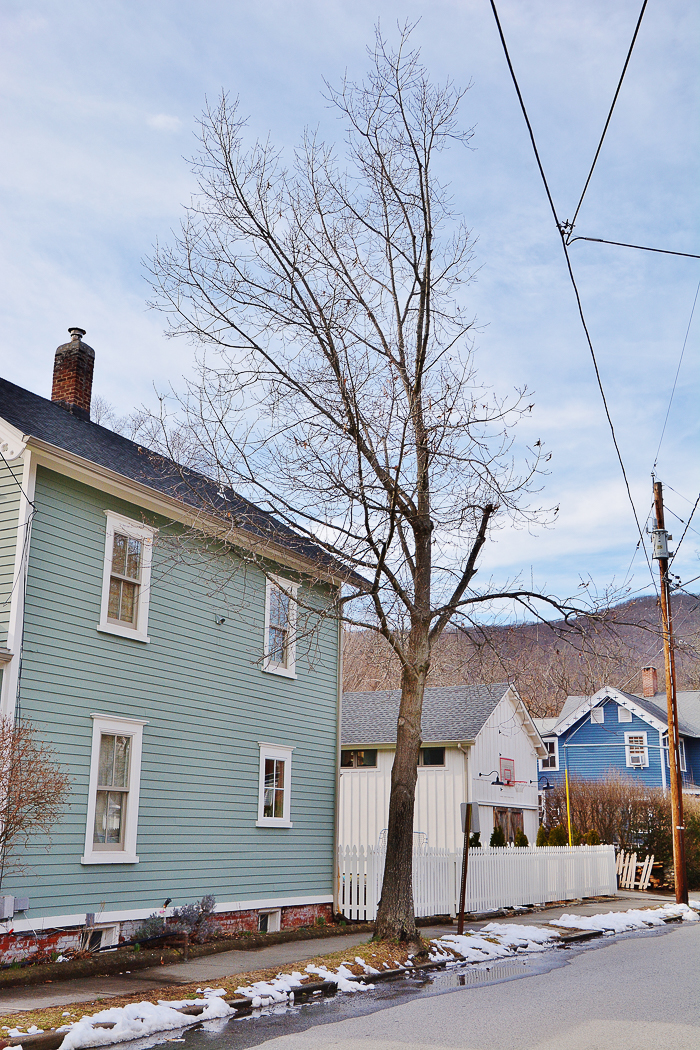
(660,553)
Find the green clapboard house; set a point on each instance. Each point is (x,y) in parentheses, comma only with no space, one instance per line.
(150,629)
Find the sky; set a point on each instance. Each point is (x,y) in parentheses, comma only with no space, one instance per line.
(98,118)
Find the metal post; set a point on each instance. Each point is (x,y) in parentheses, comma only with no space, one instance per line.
(681,880)
(465,863)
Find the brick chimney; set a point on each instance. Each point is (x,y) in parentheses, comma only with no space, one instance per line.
(650,681)
(72,375)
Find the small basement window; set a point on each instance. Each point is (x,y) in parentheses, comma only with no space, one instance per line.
(355,759)
(431,756)
(269,921)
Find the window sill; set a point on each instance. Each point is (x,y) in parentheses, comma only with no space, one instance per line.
(285,672)
(122,632)
(109,857)
(273,822)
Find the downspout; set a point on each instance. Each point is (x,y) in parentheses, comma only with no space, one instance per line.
(662,755)
(338,715)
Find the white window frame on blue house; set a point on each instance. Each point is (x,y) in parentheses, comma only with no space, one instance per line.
(597,716)
(287,668)
(638,748)
(119,524)
(115,725)
(275,753)
(554,754)
(681,752)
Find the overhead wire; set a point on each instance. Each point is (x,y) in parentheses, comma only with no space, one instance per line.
(687,526)
(675,381)
(610,113)
(573,282)
(623,244)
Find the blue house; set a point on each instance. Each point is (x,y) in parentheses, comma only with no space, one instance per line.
(148,630)
(621,733)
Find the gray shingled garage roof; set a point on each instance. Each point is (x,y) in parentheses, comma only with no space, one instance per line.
(448,714)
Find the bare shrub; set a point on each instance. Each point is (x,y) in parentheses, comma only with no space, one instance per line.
(33,791)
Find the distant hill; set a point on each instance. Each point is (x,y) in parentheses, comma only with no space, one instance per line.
(546,662)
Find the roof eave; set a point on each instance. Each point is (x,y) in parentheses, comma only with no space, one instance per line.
(86,471)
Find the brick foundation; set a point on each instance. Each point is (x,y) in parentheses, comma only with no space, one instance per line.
(41,946)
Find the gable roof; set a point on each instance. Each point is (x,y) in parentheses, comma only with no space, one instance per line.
(651,709)
(457,713)
(38,418)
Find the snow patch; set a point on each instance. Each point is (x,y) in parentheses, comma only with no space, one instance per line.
(622,921)
(138,1020)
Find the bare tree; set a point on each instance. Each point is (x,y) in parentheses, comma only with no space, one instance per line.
(33,792)
(337,385)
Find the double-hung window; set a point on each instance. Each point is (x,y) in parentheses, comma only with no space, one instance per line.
(127,577)
(636,751)
(552,759)
(280,625)
(275,786)
(681,752)
(113,792)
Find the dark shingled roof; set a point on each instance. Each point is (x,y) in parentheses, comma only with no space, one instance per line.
(38,417)
(448,714)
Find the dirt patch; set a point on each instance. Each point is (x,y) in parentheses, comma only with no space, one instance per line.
(107,963)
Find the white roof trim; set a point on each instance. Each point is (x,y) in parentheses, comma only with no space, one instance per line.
(607,693)
(528,722)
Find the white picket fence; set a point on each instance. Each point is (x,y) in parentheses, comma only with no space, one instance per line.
(496,878)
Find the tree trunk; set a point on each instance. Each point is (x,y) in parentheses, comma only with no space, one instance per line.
(395,916)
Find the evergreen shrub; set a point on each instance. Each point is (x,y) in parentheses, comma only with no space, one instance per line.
(497,837)
(520,839)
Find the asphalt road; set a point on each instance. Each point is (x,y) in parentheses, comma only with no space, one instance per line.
(636,992)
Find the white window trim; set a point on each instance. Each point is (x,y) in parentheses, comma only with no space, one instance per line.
(681,752)
(555,767)
(599,713)
(132,727)
(274,914)
(137,530)
(291,588)
(645,763)
(623,714)
(285,754)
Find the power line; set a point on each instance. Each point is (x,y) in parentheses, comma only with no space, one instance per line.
(680,362)
(573,282)
(612,107)
(623,244)
(687,526)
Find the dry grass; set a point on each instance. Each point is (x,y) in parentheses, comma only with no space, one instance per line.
(380,955)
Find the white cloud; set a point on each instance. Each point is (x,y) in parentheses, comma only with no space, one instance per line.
(163,122)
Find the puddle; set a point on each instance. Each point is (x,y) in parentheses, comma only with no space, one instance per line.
(282,1019)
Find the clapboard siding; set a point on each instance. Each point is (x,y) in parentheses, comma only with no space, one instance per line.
(593,751)
(10,479)
(208,703)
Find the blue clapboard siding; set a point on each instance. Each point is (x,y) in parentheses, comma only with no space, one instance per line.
(592,751)
(692,758)
(207,702)
(9,518)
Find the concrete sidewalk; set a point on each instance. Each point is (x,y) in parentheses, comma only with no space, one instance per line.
(214,968)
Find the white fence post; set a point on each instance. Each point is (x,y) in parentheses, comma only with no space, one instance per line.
(498,877)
